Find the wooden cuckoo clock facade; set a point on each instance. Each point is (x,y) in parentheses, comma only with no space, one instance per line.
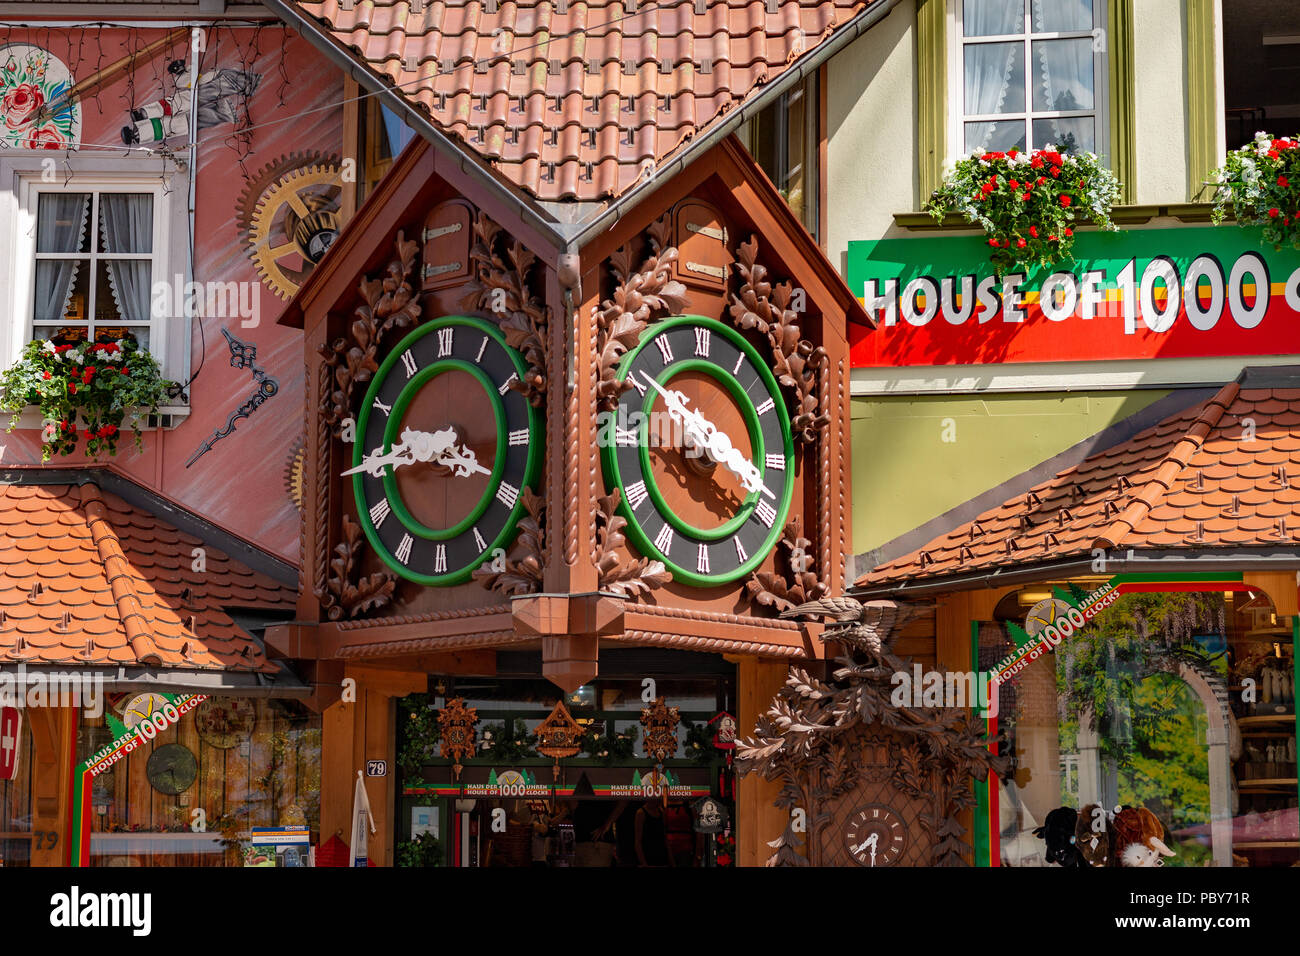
(644,442)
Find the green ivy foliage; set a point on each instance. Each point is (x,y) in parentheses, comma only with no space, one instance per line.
(1260,185)
(84,390)
(1028,203)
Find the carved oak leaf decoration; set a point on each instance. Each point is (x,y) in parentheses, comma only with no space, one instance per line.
(522,574)
(502,286)
(633,577)
(388,302)
(638,296)
(795,360)
(781,592)
(343,596)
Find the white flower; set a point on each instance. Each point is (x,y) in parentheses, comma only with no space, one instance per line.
(78,357)
(1260,134)
(48,346)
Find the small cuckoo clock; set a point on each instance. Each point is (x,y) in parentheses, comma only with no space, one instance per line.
(659,722)
(559,735)
(456,723)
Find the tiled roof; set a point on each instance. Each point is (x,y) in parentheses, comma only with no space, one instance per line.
(571,99)
(85,578)
(1192,481)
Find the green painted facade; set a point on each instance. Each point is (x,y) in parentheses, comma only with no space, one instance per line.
(915,457)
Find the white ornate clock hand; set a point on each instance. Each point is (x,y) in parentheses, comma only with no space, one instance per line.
(439,447)
(705,435)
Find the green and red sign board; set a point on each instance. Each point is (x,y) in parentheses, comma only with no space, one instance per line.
(523,783)
(1188,292)
(125,741)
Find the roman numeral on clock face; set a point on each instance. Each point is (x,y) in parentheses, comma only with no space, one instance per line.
(481,346)
(775,461)
(740,360)
(408,362)
(440,559)
(444,341)
(740,551)
(664,540)
(379,511)
(766,407)
(625,436)
(505,386)
(702,559)
(665,349)
(637,383)
(386,409)
(508,494)
(701,341)
(765,512)
(403,552)
(519,436)
(636,493)
(478,540)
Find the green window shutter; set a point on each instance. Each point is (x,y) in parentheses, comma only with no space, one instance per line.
(931,95)
(1119,58)
(1202,95)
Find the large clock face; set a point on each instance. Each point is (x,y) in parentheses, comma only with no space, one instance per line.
(700,446)
(875,835)
(445,448)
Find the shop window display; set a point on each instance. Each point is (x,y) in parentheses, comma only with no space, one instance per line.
(1162,734)
(191,796)
(16,836)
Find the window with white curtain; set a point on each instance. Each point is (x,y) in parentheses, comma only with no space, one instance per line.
(1029,73)
(93,263)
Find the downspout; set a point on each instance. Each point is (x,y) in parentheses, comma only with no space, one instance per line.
(196,41)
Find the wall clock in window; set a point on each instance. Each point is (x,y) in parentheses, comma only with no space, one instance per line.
(875,835)
(445,448)
(171,769)
(701,448)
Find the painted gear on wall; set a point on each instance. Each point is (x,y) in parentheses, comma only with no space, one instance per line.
(289,216)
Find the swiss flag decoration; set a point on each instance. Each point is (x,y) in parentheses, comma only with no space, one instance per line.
(11,722)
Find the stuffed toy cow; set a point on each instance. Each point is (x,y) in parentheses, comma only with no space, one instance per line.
(1058,833)
(1136,834)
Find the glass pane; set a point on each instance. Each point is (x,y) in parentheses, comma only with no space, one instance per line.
(994,78)
(124,290)
(1060,16)
(796,150)
(1001,136)
(61,222)
(59,334)
(62,290)
(1072,135)
(986,18)
(1063,75)
(125,222)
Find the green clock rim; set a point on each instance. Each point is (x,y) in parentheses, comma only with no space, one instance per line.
(531,470)
(404,398)
(609,460)
(727,528)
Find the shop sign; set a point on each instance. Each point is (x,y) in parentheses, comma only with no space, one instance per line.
(11,725)
(654,783)
(1155,293)
(509,783)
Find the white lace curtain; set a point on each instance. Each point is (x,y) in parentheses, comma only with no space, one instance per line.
(126,226)
(61,220)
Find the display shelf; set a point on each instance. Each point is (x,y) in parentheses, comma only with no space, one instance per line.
(1263,720)
(1267,783)
(1267,845)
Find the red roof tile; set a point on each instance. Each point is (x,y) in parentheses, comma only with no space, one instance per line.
(572,99)
(86,578)
(1192,481)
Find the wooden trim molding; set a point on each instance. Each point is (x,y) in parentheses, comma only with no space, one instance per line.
(1123,113)
(1203,113)
(931,95)
(1124,215)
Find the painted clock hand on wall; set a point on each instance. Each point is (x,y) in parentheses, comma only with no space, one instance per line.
(416,447)
(713,441)
(242,355)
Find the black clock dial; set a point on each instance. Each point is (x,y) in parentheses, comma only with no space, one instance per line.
(875,836)
(685,505)
(445,448)
(171,769)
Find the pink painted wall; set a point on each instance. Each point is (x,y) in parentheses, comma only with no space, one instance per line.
(295,108)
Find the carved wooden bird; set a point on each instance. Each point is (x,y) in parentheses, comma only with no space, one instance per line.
(871,626)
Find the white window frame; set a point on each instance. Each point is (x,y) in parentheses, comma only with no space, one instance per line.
(957,117)
(24,177)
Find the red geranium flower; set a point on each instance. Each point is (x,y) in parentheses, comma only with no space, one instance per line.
(47,376)
(1283,182)
(1069,231)
(1013,184)
(1020,243)
(1013,152)
(1033,231)
(1065,200)
(1056,171)
(1040,181)
(1027,196)
(72,388)
(1272,214)
(1036,162)
(993,243)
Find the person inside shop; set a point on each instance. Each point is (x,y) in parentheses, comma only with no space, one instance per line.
(682,838)
(593,823)
(652,836)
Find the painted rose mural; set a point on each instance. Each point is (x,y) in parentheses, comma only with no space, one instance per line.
(34,100)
